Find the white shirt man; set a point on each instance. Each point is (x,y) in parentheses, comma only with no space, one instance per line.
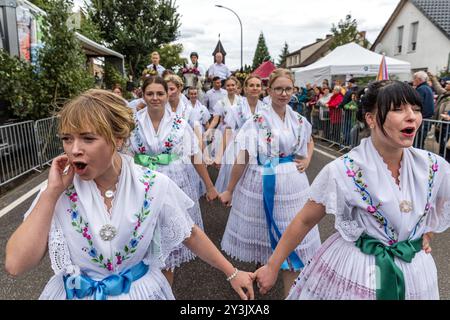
(219,69)
(155,64)
(214,95)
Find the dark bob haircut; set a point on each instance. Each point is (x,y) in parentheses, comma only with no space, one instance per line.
(387,95)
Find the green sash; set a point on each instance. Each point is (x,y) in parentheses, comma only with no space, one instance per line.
(392,282)
(151,162)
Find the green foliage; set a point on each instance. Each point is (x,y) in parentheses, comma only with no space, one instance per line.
(171,56)
(90,29)
(34,92)
(113,77)
(261,53)
(345,32)
(18,86)
(282,57)
(42,4)
(136,29)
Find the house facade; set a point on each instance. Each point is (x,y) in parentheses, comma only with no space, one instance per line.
(418,31)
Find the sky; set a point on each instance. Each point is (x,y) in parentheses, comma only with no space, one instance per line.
(296,22)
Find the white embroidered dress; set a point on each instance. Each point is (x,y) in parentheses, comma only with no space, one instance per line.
(150,215)
(199,116)
(359,190)
(235,119)
(246,235)
(174,136)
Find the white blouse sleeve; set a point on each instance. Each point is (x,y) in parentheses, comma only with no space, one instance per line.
(327,190)
(173,225)
(305,136)
(57,246)
(190,145)
(438,219)
(218,109)
(247,138)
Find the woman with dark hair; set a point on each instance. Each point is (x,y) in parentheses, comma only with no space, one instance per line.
(385,196)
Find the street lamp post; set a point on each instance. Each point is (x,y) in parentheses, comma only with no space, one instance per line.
(240,22)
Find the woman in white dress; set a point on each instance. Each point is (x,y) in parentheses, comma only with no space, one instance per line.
(223,134)
(109,224)
(177,101)
(385,195)
(200,114)
(164,141)
(234,120)
(277,146)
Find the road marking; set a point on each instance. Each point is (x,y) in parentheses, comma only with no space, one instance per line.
(326,154)
(23,198)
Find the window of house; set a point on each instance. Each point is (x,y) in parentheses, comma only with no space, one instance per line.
(398,48)
(414,32)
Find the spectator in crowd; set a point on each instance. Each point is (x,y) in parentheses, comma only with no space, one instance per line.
(426,94)
(348,113)
(312,105)
(117,89)
(442,113)
(335,112)
(219,69)
(155,63)
(214,95)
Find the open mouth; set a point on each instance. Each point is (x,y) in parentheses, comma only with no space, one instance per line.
(80,167)
(408,131)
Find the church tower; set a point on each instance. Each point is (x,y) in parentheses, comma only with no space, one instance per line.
(219,48)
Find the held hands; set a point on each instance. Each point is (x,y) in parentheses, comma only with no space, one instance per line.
(60,176)
(426,242)
(265,278)
(243,280)
(226,197)
(302,164)
(211,193)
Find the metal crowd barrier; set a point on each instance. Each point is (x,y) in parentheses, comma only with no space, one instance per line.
(18,151)
(48,142)
(341,128)
(27,146)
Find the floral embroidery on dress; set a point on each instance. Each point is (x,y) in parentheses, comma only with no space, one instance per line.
(434,167)
(82,226)
(261,124)
(373,209)
(168,144)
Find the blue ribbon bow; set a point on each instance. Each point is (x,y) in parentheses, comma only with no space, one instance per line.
(269,186)
(82,286)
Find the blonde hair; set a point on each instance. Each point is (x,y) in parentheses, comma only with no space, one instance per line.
(155,53)
(250,77)
(101,111)
(280,73)
(175,80)
(233,78)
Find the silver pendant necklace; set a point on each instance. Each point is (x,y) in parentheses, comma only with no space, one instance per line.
(109,193)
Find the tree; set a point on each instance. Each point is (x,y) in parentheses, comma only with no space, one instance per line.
(282,57)
(346,32)
(171,56)
(59,74)
(90,29)
(261,53)
(136,28)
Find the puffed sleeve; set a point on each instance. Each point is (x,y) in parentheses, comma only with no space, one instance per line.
(247,138)
(304,136)
(173,225)
(328,191)
(190,143)
(218,109)
(438,219)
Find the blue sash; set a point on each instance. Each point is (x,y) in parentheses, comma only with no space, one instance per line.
(269,186)
(82,286)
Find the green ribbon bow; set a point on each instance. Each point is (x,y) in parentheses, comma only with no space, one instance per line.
(392,282)
(151,162)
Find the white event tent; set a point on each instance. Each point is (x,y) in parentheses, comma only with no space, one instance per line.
(349,59)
